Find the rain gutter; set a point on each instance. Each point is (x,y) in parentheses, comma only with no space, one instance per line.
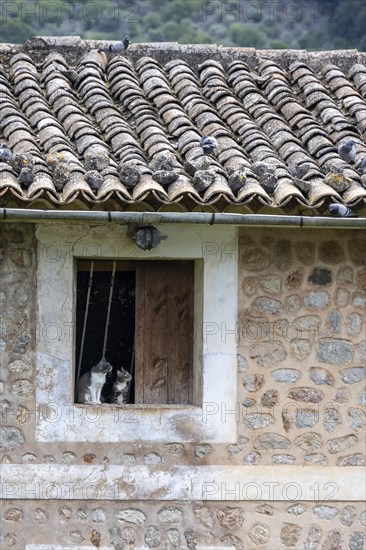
(123,218)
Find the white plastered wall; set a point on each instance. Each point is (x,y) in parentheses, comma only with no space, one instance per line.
(59,419)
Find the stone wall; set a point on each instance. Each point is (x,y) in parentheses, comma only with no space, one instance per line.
(17,340)
(301,347)
(175,526)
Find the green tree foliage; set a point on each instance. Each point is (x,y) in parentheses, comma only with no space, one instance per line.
(15,31)
(347,24)
(179,9)
(318,25)
(246,36)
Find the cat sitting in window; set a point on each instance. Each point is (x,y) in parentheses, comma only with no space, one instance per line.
(120,387)
(91,383)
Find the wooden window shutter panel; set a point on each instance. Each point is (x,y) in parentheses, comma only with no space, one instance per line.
(164,332)
(180,285)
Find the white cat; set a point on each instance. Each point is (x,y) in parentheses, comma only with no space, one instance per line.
(91,383)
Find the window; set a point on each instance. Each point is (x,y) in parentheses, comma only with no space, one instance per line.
(193,404)
(143,315)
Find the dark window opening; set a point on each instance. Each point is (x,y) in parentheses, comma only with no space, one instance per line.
(150,330)
(121,328)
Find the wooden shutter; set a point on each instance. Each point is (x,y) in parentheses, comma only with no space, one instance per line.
(164,332)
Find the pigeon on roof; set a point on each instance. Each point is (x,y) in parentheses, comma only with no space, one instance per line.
(26,177)
(347,151)
(116,47)
(361,167)
(341,211)
(5,154)
(209,144)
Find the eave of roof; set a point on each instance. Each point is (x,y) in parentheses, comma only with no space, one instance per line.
(272,109)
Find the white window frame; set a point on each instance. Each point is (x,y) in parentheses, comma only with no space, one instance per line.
(214,418)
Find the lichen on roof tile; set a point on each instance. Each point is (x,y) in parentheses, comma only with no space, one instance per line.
(102,128)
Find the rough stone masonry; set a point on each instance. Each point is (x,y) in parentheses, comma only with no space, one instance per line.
(301,351)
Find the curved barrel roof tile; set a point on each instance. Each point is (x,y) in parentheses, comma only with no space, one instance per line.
(96,129)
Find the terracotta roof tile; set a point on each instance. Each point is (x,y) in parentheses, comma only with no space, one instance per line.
(126,128)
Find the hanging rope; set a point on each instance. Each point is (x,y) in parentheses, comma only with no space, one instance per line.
(85,320)
(109,309)
(132,367)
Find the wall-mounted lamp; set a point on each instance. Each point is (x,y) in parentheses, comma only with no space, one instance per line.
(146,237)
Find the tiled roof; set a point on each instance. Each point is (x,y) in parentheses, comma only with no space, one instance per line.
(126,133)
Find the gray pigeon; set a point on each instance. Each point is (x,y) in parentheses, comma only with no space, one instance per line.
(26,177)
(361,168)
(209,144)
(347,151)
(341,211)
(5,154)
(116,47)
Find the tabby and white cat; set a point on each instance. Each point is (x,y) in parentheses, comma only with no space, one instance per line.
(120,387)
(91,383)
